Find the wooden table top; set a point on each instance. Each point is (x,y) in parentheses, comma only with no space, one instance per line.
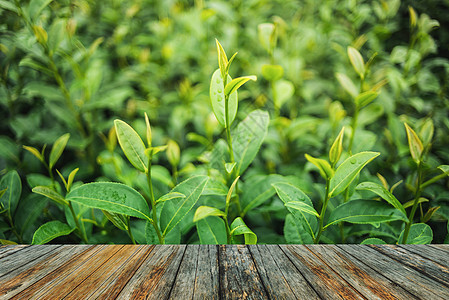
(224,272)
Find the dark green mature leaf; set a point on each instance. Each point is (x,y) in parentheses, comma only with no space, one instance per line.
(113,197)
(58,148)
(294,231)
(373,241)
(50,231)
(365,212)
(217,98)
(235,83)
(211,231)
(170,196)
(132,145)
(50,193)
(29,210)
(383,193)
(294,198)
(238,227)
(420,233)
(348,170)
(248,138)
(36,6)
(8,5)
(302,207)
(13,185)
(203,212)
(288,193)
(171,215)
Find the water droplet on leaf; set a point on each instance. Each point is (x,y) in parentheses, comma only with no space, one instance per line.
(353,160)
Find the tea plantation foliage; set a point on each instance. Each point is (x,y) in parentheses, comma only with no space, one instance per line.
(121,121)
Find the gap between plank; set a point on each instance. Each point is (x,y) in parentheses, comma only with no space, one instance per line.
(177,272)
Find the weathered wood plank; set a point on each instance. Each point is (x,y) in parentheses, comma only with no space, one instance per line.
(10,249)
(435,271)
(278,274)
(155,277)
(368,282)
(206,279)
(184,283)
(323,279)
(23,277)
(437,255)
(238,275)
(23,257)
(413,281)
(70,274)
(101,274)
(111,287)
(444,247)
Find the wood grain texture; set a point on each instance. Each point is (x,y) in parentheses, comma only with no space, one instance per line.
(224,272)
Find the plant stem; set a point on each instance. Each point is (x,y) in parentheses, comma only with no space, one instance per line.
(81,232)
(228,129)
(415,205)
(129,231)
(228,230)
(354,127)
(323,212)
(153,201)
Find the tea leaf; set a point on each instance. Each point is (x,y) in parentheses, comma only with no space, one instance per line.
(365,98)
(229,167)
(248,138)
(50,231)
(148,132)
(170,196)
(222,59)
(58,148)
(7,242)
(238,227)
(420,233)
(173,153)
(347,84)
(50,193)
(284,90)
(191,189)
(217,98)
(71,178)
(272,72)
(303,207)
(323,166)
(383,193)
(36,6)
(336,148)
(373,241)
(13,185)
(430,213)
(132,145)
(35,152)
(414,143)
(356,61)
(203,212)
(365,212)
(229,195)
(427,131)
(295,232)
(112,197)
(348,170)
(117,219)
(211,231)
(410,203)
(445,169)
(235,83)
(267,36)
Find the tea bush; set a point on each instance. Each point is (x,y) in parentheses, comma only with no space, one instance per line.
(339,135)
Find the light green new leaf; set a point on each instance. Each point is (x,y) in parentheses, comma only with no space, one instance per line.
(170,196)
(348,170)
(336,148)
(35,152)
(203,212)
(117,219)
(113,197)
(2,192)
(239,227)
(229,167)
(347,84)
(323,166)
(267,36)
(229,194)
(373,241)
(50,231)
(248,137)
(365,98)
(217,98)
(303,207)
(132,145)
(13,185)
(272,72)
(444,169)
(365,212)
(192,189)
(49,193)
(414,143)
(383,193)
(7,242)
(211,231)
(235,83)
(284,90)
(58,148)
(411,202)
(419,233)
(288,194)
(36,6)
(71,178)
(222,58)
(357,61)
